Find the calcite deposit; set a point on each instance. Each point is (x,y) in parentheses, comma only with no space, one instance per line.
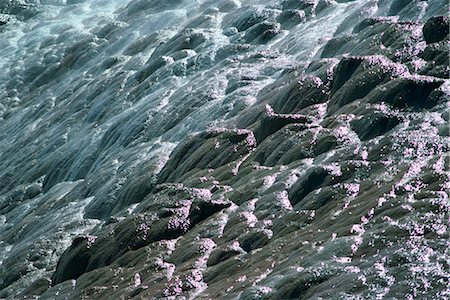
(224,149)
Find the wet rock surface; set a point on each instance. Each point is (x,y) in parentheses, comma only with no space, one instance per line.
(436,29)
(224,149)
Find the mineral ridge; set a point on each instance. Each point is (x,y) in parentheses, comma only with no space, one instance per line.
(224,149)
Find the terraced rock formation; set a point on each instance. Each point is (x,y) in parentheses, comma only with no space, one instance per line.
(224,149)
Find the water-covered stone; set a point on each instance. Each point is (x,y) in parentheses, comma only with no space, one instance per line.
(22,9)
(255,239)
(357,77)
(73,262)
(3,19)
(272,122)
(291,17)
(211,149)
(303,283)
(224,149)
(201,210)
(436,29)
(140,7)
(221,254)
(246,17)
(37,288)
(300,93)
(93,252)
(262,32)
(333,46)
(305,5)
(373,125)
(408,92)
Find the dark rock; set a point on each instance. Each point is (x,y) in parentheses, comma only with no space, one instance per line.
(17,196)
(23,10)
(110,62)
(412,91)
(56,175)
(439,71)
(397,6)
(301,93)
(437,53)
(187,39)
(134,191)
(272,122)
(380,150)
(293,142)
(73,262)
(3,20)
(320,198)
(112,220)
(80,101)
(320,177)
(33,190)
(236,81)
(224,271)
(262,32)
(188,252)
(308,6)
(71,2)
(101,208)
(230,50)
(109,30)
(151,67)
(308,183)
(398,35)
(276,147)
(12,270)
(78,54)
(368,22)
(136,187)
(296,286)
(50,74)
(227,5)
(436,29)
(324,4)
(255,239)
(141,6)
(223,253)
(137,232)
(373,125)
(242,194)
(207,150)
(291,17)
(90,253)
(325,142)
(323,68)
(366,74)
(344,70)
(291,221)
(37,288)
(141,44)
(332,47)
(438,96)
(246,17)
(138,290)
(203,209)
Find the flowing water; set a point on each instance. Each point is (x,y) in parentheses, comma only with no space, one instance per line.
(224,149)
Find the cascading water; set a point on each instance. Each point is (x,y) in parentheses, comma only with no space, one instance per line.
(224,149)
